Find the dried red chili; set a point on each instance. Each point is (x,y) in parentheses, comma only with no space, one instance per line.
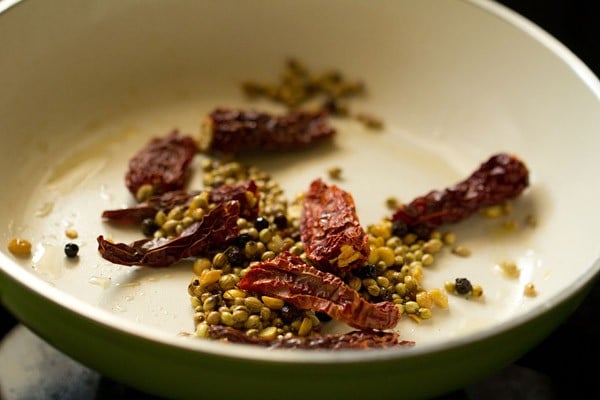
(500,178)
(246,193)
(149,208)
(233,131)
(163,164)
(330,230)
(289,278)
(363,339)
(217,229)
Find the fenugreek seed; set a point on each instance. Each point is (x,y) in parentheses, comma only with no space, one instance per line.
(202,330)
(265,313)
(461,251)
(477,291)
(197,214)
(71,233)
(158,234)
(232,294)
(179,229)
(213,318)
(432,246)
(200,265)
(144,192)
(276,244)
(410,282)
(382,230)
(219,260)
(400,288)
(305,327)
(435,235)
(529,290)
(424,313)
(240,316)
(510,225)
(272,302)
(175,213)
(409,238)
(531,221)
(267,255)
(210,277)
(386,255)
(296,250)
(169,226)
(268,333)
(265,235)
(295,325)
(449,238)
(250,249)
(160,218)
(493,211)
(253,322)
(210,303)
(374,290)
(411,307)
(228,282)
(392,203)
(195,302)
(373,255)
(440,299)
(383,281)
(186,221)
(400,307)
(398,260)
(227,318)
(450,286)
(510,269)
(335,172)
(253,304)
(19,247)
(393,242)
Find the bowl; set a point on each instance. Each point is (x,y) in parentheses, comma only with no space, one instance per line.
(448,84)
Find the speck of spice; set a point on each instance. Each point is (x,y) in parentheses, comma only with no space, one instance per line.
(19,247)
(510,269)
(529,290)
(461,251)
(71,250)
(335,173)
(71,233)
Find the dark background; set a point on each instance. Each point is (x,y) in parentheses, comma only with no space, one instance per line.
(563,364)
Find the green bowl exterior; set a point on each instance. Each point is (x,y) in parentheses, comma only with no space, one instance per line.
(185,373)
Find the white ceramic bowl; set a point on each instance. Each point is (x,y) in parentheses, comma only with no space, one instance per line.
(86,84)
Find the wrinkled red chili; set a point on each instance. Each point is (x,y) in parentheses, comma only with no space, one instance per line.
(363,340)
(330,230)
(217,229)
(289,278)
(163,164)
(246,193)
(232,131)
(500,178)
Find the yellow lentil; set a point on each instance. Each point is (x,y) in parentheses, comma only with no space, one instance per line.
(19,247)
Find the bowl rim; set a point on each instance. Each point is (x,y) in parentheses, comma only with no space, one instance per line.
(110,321)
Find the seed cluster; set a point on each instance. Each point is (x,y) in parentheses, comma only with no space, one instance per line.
(394,270)
(298,85)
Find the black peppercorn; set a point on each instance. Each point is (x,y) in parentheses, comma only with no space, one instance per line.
(463,286)
(261,223)
(71,250)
